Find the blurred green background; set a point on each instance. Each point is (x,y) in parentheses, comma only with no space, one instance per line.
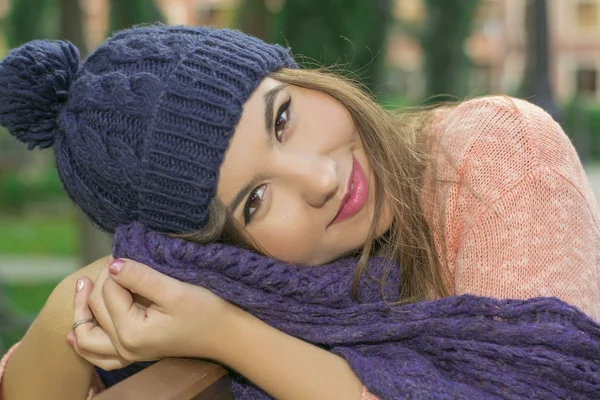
(407,52)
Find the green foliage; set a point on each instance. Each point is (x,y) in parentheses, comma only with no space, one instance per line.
(446,63)
(126,13)
(347,32)
(34,236)
(28,298)
(31,19)
(253,18)
(25,300)
(582,125)
(16,191)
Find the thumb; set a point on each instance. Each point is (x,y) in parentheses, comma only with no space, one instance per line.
(143,280)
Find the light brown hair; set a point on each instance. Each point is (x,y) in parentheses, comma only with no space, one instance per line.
(396,144)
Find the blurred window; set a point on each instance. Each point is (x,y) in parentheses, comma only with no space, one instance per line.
(411,11)
(587,81)
(488,18)
(587,14)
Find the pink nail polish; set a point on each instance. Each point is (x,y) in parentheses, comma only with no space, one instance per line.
(79,284)
(116,266)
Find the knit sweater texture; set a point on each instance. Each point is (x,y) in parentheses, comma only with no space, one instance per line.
(457,347)
(512,211)
(139,129)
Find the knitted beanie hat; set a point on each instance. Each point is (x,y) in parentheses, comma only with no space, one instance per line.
(141,128)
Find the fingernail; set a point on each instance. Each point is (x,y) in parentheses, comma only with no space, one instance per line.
(79,285)
(116,266)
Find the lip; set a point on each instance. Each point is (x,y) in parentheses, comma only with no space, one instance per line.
(355,198)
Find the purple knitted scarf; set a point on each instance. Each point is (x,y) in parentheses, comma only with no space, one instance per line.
(458,347)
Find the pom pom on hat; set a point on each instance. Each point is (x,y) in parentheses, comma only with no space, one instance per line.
(139,130)
(34,85)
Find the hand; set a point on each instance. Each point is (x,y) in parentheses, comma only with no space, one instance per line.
(180,319)
(94,345)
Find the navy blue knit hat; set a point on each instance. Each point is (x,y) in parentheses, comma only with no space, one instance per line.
(141,128)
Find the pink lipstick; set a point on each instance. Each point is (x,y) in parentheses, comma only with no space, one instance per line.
(356,194)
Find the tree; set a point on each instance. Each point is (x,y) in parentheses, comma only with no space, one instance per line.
(443,38)
(254,18)
(126,13)
(347,32)
(94,243)
(29,20)
(536,82)
(71,25)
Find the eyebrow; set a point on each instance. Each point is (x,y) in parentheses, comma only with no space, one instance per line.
(269,99)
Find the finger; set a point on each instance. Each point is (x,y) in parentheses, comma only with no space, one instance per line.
(102,271)
(107,363)
(92,336)
(141,279)
(119,303)
(81,311)
(97,304)
(94,342)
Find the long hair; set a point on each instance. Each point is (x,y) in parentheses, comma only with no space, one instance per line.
(397,146)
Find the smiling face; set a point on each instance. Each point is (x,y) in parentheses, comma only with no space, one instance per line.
(296,176)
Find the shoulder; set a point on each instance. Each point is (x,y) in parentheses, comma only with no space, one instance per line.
(499,118)
(489,122)
(493,142)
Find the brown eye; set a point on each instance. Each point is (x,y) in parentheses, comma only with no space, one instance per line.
(253,203)
(254,200)
(282,119)
(281,124)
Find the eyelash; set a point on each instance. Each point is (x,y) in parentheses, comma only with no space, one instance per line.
(283,110)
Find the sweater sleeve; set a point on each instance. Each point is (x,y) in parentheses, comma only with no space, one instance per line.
(519,216)
(366,395)
(96,387)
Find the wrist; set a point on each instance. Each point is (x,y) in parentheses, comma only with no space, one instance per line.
(233,323)
(283,366)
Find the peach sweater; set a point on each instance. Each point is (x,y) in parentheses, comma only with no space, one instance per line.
(514,205)
(517,210)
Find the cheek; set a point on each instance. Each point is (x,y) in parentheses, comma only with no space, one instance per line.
(288,236)
(326,125)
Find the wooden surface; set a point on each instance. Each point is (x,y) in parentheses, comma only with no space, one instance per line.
(174,379)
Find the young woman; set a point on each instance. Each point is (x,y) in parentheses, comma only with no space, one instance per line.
(214,136)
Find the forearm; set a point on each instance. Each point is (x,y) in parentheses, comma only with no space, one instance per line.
(284,366)
(45,366)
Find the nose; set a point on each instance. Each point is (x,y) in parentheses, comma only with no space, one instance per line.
(315,177)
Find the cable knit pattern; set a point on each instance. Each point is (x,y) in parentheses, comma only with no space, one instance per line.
(141,127)
(457,347)
(515,205)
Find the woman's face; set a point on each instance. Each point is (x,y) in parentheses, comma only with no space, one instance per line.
(297,177)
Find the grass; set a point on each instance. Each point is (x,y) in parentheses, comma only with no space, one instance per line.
(26,236)
(28,298)
(24,301)
(38,236)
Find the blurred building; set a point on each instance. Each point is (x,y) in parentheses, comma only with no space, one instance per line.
(498,47)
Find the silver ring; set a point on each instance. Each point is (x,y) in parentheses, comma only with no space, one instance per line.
(83,321)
